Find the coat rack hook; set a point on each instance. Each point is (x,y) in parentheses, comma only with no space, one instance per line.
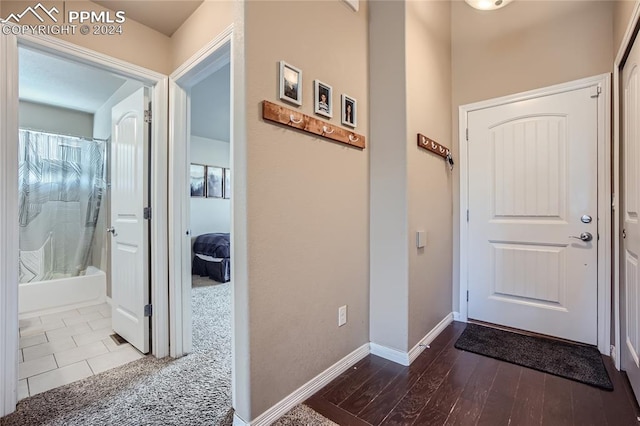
(326,130)
(352,139)
(293,120)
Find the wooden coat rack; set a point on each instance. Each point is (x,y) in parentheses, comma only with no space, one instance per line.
(292,118)
(433,146)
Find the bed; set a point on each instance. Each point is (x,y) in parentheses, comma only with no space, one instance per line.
(212,257)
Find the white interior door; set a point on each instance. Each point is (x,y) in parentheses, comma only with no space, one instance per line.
(631,228)
(130,231)
(532,188)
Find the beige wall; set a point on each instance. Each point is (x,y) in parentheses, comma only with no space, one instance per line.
(526,45)
(622,11)
(307,199)
(53,119)
(209,20)
(389,290)
(429,182)
(138,44)
(411,190)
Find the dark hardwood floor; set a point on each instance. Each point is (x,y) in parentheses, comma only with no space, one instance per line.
(446,386)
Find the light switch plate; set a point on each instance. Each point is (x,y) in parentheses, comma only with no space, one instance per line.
(421,239)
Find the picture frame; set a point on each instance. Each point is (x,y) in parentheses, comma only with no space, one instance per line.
(215,185)
(353,4)
(323,99)
(197,182)
(290,83)
(227,184)
(349,114)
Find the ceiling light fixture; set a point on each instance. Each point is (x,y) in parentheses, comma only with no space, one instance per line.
(487,4)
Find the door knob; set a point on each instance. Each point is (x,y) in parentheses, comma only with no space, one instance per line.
(112,230)
(585,236)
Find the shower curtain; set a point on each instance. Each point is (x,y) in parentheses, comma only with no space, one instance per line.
(62,180)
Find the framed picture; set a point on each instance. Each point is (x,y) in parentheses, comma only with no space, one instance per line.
(323,99)
(196,175)
(349,111)
(290,83)
(214,182)
(354,4)
(227,183)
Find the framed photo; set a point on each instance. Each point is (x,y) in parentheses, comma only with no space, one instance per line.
(354,4)
(197,183)
(323,99)
(214,182)
(227,183)
(349,111)
(290,83)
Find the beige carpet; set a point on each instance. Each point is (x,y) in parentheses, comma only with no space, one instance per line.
(301,415)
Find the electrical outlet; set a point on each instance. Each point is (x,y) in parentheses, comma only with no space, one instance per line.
(342,315)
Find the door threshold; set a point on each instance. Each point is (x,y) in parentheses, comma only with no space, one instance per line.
(525,332)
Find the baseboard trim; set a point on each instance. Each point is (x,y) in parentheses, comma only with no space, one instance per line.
(391,354)
(307,390)
(237,421)
(430,336)
(457,316)
(406,358)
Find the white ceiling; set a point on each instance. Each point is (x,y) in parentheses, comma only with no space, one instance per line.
(163,16)
(49,80)
(211,106)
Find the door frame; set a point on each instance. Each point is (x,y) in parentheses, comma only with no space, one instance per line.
(178,222)
(604,193)
(621,57)
(9,240)
(202,64)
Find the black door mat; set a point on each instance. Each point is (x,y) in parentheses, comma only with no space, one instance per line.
(572,361)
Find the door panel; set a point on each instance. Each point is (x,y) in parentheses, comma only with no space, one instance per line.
(130,235)
(631,229)
(532,176)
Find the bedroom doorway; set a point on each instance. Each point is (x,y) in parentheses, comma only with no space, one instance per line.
(209,205)
(201,209)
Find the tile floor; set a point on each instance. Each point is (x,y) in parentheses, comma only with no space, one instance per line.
(58,349)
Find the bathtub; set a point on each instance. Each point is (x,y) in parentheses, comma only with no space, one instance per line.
(62,294)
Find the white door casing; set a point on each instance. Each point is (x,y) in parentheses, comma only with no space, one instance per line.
(9,240)
(201,65)
(130,230)
(532,175)
(630,167)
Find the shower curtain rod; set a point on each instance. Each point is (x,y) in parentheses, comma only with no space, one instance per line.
(65,135)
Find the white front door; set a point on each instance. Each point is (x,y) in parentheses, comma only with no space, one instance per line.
(532,194)
(130,231)
(630,303)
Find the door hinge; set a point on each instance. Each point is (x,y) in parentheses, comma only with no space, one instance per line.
(467,134)
(147,213)
(467,215)
(147,116)
(613,202)
(595,91)
(148,310)
(467,295)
